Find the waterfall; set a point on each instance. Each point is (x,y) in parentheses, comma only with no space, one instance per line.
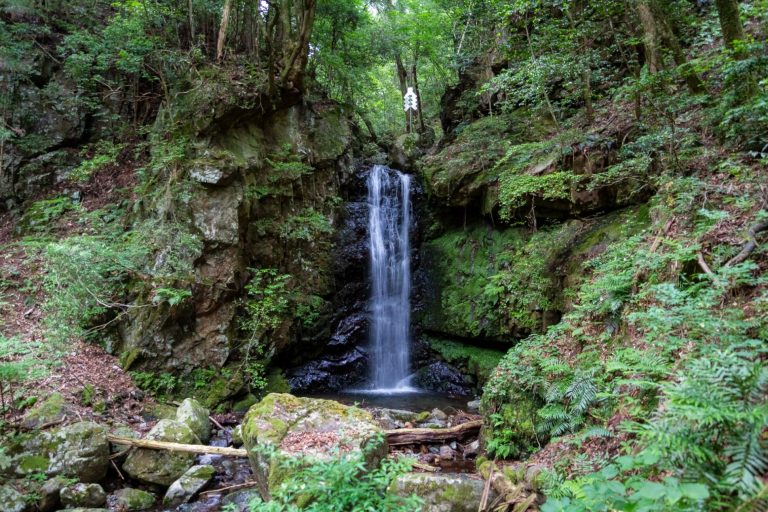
(389,218)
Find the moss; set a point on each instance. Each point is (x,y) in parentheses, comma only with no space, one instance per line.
(479,362)
(28,464)
(277,383)
(128,357)
(50,409)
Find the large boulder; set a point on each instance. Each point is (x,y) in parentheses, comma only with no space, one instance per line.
(313,428)
(159,466)
(79,451)
(442,493)
(190,483)
(195,416)
(443,378)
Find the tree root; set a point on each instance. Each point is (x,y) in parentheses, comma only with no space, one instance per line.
(750,245)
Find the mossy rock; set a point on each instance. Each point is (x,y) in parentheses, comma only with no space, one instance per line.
(11,499)
(162,467)
(52,409)
(245,403)
(83,495)
(133,499)
(189,484)
(442,493)
(278,416)
(195,416)
(160,411)
(79,450)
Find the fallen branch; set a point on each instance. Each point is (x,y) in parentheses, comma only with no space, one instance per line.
(425,467)
(704,266)
(403,436)
(750,245)
(231,487)
(178,447)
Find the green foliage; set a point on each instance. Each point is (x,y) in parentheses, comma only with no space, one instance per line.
(41,215)
(477,361)
(342,484)
(161,385)
(19,363)
(88,275)
(103,154)
(172,296)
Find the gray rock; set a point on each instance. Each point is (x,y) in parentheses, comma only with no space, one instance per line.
(195,416)
(49,494)
(242,499)
(190,483)
(442,493)
(11,499)
(473,405)
(80,450)
(446,453)
(159,466)
(83,495)
(237,435)
(133,499)
(472,449)
(439,415)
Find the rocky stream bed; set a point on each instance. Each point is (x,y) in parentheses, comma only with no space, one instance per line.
(84,465)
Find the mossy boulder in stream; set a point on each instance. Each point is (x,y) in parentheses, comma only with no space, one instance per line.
(159,466)
(195,416)
(284,420)
(442,493)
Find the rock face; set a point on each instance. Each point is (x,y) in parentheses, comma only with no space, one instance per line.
(159,466)
(284,421)
(263,192)
(190,483)
(83,495)
(442,493)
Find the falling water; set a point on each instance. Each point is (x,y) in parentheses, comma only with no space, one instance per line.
(389,219)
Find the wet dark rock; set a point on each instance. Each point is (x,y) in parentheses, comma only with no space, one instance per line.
(241,499)
(443,378)
(329,374)
(351,331)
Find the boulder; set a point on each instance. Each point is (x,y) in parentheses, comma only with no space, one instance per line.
(83,495)
(195,416)
(159,466)
(285,421)
(442,493)
(50,498)
(11,499)
(190,483)
(79,451)
(52,409)
(443,378)
(129,499)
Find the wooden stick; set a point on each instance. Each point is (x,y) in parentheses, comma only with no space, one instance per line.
(425,467)
(420,435)
(703,265)
(177,447)
(231,487)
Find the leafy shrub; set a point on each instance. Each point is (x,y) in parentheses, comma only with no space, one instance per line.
(343,484)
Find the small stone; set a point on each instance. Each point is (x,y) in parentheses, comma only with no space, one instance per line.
(195,416)
(83,495)
(237,435)
(473,405)
(472,449)
(49,494)
(438,414)
(242,499)
(11,499)
(446,453)
(190,483)
(133,499)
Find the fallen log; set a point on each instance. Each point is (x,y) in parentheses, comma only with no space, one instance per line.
(403,436)
(178,447)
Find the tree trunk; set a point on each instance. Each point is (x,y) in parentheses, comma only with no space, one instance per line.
(403,436)
(223,29)
(650,36)
(191,24)
(668,36)
(730,22)
(402,77)
(422,128)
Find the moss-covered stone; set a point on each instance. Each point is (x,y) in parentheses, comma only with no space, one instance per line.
(162,467)
(83,495)
(189,484)
(442,493)
(279,415)
(195,416)
(476,361)
(245,403)
(133,499)
(49,410)
(11,499)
